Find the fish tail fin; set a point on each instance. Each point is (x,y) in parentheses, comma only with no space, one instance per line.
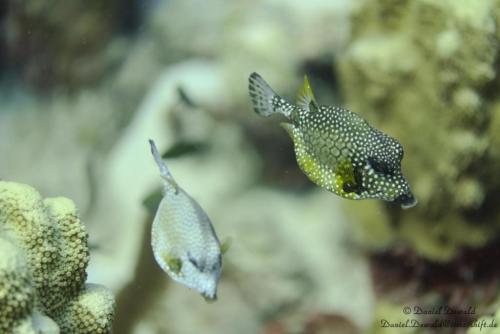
(164,172)
(265,101)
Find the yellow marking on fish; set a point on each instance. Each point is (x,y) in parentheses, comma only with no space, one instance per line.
(344,174)
(318,174)
(174,264)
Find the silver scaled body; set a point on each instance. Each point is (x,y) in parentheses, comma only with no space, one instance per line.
(183,239)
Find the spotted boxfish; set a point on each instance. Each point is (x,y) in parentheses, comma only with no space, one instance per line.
(336,148)
(183,239)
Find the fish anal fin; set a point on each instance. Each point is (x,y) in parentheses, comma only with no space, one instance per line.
(305,97)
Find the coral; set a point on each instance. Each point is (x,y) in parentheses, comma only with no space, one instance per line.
(425,72)
(42,269)
(16,291)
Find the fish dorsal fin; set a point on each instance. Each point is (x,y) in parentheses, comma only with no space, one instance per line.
(305,97)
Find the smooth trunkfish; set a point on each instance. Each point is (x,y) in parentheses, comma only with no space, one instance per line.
(336,148)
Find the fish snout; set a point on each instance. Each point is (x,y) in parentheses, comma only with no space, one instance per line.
(406,200)
(209,297)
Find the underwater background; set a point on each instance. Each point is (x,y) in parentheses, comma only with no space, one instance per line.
(84,85)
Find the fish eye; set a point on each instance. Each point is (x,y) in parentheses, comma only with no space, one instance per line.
(379,166)
(215,266)
(194,262)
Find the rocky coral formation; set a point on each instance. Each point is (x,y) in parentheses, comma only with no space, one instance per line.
(425,72)
(42,268)
(17,292)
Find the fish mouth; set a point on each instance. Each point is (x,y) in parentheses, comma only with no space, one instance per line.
(209,298)
(406,200)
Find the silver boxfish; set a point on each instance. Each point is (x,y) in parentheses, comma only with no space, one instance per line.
(183,239)
(337,149)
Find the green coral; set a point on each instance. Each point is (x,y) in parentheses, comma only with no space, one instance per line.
(427,76)
(16,291)
(42,267)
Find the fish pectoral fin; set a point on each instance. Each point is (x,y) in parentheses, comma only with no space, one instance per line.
(350,187)
(225,245)
(351,177)
(174,264)
(305,97)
